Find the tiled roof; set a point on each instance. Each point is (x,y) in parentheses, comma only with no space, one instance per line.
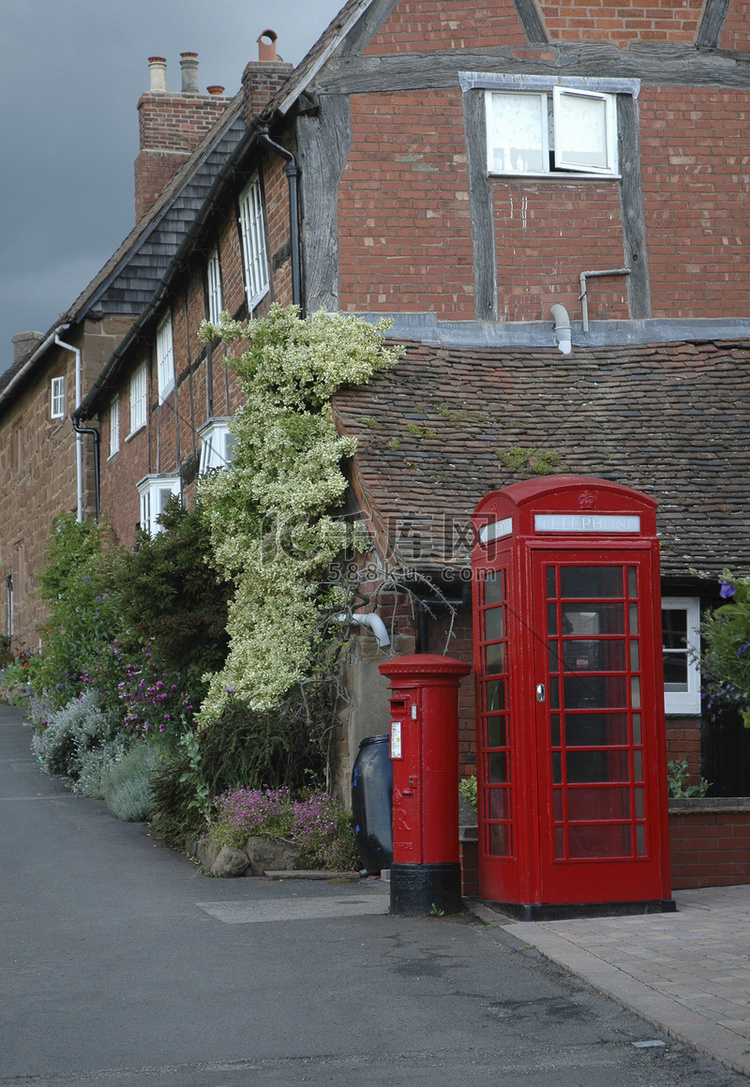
(447,426)
(130,277)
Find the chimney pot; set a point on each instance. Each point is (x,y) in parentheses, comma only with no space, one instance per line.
(157,70)
(215,89)
(189,66)
(267,49)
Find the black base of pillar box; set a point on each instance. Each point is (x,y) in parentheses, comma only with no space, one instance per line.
(426,888)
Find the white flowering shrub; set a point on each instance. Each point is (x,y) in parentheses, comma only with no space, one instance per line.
(273,525)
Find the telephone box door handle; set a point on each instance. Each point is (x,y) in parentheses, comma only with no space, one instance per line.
(541,693)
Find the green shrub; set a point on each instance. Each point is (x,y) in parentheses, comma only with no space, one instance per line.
(677,778)
(176,813)
(126,785)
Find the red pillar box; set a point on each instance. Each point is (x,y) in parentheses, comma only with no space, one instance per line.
(571,762)
(425,872)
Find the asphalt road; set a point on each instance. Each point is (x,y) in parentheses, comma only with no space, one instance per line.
(122,965)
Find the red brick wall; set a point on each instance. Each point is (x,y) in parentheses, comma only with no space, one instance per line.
(171,127)
(692,182)
(404,224)
(416,25)
(709,848)
(548,233)
(684,739)
(665,20)
(737,26)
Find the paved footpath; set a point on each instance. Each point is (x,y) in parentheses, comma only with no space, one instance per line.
(688,972)
(122,965)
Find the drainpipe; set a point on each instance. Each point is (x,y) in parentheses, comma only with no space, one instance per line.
(79,437)
(293,174)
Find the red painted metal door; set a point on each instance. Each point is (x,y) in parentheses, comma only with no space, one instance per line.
(597,764)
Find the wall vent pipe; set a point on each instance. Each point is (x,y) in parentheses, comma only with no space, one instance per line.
(583,296)
(562,328)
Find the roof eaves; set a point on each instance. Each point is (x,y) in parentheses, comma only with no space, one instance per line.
(310,65)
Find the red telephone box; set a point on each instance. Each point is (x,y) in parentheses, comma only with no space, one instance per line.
(425,871)
(571,761)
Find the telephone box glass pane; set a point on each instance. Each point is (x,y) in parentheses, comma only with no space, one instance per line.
(596,729)
(493,624)
(593,619)
(590,581)
(494,659)
(597,766)
(496,733)
(585,805)
(602,840)
(499,804)
(594,692)
(497,763)
(499,840)
(493,587)
(494,694)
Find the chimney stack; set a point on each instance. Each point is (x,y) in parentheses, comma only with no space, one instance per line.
(263,77)
(171,127)
(25,344)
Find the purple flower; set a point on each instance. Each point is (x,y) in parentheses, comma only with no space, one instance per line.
(726,589)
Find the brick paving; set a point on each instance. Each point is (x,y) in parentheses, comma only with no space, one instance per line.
(688,972)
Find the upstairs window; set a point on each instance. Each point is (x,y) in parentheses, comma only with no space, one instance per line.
(215,298)
(165,357)
(114,426)
(253,234)
(217,445)
(680,620)
(155,491)
(550,132)
(57,398)
(138,399)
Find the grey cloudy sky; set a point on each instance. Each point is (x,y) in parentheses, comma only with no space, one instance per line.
(71,74)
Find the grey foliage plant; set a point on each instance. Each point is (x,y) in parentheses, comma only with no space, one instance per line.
(126,785)
(79,742)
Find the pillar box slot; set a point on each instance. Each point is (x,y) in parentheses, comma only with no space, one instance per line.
(425,872)
(571,763)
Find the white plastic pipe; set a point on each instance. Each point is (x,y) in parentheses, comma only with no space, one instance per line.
(79,437)
(371,620)
(562,328)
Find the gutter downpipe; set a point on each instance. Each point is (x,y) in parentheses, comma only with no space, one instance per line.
(293,174)
(79,436)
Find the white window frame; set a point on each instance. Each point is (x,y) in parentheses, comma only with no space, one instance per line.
(253,234)
(215,295)
(165,357)
(114,425)
(217,445)
(138,386)
(562,121)
(154,492)
(57,398)
(686,702)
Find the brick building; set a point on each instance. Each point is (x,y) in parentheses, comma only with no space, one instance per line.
(47,468)
(536,194)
